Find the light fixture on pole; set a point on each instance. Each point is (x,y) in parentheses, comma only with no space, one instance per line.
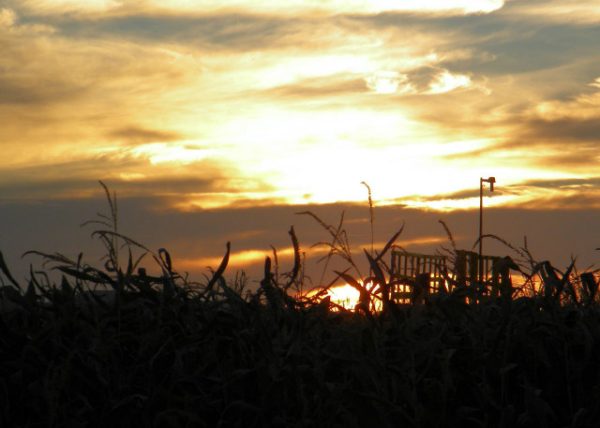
(482,180)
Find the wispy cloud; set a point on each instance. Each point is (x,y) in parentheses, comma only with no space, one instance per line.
(299,103)
(584,12)
(264,6)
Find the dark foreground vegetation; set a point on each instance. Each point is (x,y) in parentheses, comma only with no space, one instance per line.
(116,346)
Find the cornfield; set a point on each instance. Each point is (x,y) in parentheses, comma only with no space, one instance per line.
(117,346)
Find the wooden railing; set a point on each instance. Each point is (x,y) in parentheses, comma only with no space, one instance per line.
(416,275)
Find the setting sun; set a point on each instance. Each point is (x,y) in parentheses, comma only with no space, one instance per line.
(348,297)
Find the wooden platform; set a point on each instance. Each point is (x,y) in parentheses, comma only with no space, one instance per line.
(415,275)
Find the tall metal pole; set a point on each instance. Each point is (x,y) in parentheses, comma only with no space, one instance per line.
(482,180)
(480,260)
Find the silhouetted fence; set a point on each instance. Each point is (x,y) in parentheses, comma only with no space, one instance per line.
(416,275)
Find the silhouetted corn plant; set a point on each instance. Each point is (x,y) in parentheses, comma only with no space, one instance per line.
(176,353)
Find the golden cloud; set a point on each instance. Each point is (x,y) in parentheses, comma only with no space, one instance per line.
(265,6)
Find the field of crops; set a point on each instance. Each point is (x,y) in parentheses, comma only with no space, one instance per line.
(118,346)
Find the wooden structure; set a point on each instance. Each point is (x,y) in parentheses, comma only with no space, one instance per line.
(466,268)
(415,275)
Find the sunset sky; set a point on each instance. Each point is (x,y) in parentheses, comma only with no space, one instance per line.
(217,120)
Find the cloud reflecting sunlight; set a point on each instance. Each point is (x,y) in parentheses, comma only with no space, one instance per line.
(254,102)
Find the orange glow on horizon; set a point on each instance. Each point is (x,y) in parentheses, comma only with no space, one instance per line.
(255,256)
(347,297)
